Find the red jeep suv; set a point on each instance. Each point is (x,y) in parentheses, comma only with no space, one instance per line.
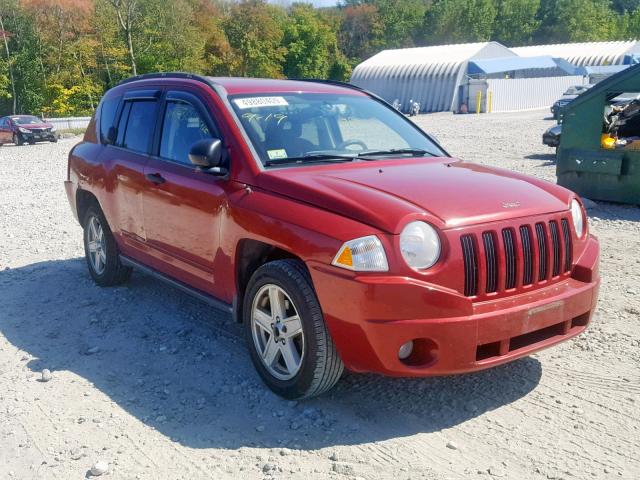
(332,227)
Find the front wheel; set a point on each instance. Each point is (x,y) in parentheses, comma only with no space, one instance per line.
(286,334)
(18,140)
(101,250)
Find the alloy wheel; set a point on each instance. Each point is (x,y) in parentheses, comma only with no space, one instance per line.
(277,332)
(96,245)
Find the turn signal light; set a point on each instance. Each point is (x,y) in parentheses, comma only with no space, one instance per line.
(365,254)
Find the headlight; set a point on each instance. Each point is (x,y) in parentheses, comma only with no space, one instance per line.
(52,129)
(419,245)
(364,254)
(578,217)
(23,130)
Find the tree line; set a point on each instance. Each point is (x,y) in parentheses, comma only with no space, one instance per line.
(59,56)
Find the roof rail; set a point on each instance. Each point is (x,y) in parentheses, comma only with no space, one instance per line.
(338,83)
(184,75)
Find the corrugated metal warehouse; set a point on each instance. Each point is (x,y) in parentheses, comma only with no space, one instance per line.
(428,75)
(585,54)
(486,76)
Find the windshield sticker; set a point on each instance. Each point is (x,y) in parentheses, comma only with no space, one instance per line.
(275,154)
(258,102)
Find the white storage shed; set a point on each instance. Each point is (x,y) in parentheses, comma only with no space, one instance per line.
(585,54)
(431,76)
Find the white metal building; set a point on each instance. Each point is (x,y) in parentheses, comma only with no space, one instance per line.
(431,76)
(486,75)
(584,54)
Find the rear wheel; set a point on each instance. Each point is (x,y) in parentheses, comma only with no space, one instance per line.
(101,250)
(286,334)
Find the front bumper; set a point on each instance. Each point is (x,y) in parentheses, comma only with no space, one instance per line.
(38,137)
(370,317)
(551,140)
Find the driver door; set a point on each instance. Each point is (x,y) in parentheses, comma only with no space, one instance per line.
(183,204)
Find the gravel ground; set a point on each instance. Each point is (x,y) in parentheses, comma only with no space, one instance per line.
(159,386)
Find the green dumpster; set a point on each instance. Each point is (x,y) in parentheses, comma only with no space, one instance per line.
(584,165)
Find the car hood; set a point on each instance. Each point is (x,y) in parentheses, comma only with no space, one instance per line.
(555,130)
(38,126)
(448,192)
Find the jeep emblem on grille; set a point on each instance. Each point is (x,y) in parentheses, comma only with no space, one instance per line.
(510,204)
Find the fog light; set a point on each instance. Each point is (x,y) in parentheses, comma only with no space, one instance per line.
(405,350)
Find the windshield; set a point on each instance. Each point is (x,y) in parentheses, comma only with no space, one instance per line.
(327,126)
(26,120)
(576,90)
(625,97)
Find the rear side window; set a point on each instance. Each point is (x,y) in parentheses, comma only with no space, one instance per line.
(107,116)
(183,126)
(136,125)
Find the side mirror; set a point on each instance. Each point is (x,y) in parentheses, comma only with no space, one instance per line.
(112,136)
(206,153)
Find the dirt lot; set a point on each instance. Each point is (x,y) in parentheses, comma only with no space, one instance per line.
(160,386)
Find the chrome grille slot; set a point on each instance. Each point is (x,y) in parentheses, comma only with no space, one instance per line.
(470,265)
(491,258)
(568,247)
(555,245)
(527,255)
(543,255)
(510,259)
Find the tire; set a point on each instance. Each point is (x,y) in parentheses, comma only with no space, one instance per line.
(54,140)
(320,366)
(109,271)
(18,140)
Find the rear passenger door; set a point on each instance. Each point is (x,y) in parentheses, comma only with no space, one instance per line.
(183,204)
(125,157)
(5,137)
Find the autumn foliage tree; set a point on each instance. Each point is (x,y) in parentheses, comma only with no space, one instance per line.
(57,57)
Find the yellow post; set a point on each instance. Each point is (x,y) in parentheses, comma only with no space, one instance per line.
(490,101)
(478,101)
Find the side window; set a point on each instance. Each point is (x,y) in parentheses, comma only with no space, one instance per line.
(136,125)
(122,125)
(182,127)
(3,123)
(107,116)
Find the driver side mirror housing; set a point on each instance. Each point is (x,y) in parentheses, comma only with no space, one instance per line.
(207,153)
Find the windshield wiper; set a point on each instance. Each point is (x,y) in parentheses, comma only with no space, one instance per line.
(416,152)
(314,157)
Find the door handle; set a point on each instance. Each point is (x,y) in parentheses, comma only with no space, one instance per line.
(155,178)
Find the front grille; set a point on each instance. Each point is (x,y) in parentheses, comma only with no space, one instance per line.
(522,256)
